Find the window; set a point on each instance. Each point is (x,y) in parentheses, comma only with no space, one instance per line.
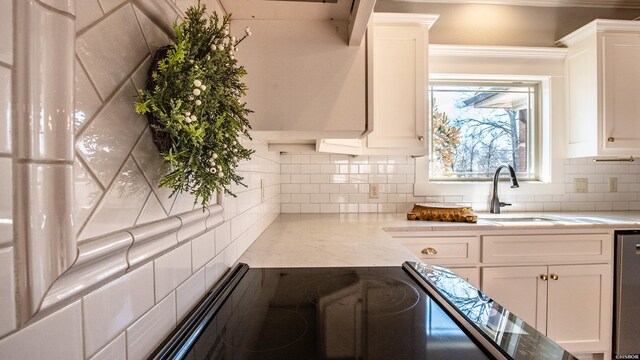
(477,126)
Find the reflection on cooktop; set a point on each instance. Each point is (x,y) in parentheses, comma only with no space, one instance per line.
(329,313)
(511,334)
(381,295)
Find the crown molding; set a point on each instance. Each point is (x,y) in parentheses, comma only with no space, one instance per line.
(596,26)
(519,52)
(404,18)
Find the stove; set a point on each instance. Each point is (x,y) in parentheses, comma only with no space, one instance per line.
(350,313)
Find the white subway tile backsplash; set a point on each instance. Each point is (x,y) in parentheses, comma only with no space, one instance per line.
(348,208)
(6,205)
(329,208)
(300,159)
(148,331)
(310,208)
(6,29)
(223,236)
(7,296)
(189,293)
(300,179)
(55,337)
(110,309)
(394,176)
(171,270)
(115,350)
(214,270)
(290,208)
(203,249)
(5,108)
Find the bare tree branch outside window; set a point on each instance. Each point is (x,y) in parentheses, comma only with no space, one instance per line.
(476,128)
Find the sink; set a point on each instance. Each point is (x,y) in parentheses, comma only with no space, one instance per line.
(518,219)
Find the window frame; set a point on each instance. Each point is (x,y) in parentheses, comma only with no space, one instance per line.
(534,122)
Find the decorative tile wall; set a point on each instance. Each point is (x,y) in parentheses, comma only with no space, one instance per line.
(322,183)
(7,298)
(116,171)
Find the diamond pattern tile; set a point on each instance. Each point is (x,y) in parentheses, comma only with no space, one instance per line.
(122,204)
(87,193)
(109,138)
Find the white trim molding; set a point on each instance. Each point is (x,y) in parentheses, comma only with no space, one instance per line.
(515,52)
(596,26)
(404,19)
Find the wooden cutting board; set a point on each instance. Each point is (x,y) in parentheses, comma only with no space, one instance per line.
(443,212)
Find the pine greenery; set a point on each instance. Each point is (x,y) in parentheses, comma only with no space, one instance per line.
(193,104)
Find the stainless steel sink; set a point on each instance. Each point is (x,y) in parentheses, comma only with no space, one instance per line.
(520,219)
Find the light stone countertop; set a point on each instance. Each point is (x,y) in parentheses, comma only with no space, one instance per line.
(343,240)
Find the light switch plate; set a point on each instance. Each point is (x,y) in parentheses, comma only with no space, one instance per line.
(580,185)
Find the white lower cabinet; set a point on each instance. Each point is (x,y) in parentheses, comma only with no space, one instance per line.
(558,281)
(569,303)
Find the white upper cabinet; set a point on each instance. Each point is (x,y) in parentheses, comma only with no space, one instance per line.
(603,78)
(398,76)
(304,81)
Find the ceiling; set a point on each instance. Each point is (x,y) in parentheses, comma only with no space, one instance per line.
(340,9)
(288,9)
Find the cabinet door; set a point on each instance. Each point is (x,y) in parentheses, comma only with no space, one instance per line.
(399,85)
(520,290)
(621,79)
(579,307)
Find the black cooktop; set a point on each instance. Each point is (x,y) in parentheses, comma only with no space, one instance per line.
(343,313)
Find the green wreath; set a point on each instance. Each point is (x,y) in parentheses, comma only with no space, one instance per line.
(193,103)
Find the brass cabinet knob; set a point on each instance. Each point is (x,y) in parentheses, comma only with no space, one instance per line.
(421,138)
(543,277)
(611,139)
(429,251)
(554,277)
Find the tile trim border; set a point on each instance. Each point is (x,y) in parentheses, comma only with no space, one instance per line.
(43,252)
(102,259)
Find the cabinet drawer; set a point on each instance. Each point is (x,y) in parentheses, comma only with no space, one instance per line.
(498,249)
(445,250)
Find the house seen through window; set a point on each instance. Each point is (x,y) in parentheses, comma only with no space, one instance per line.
(477,126)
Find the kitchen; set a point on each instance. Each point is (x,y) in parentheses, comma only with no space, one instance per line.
(98,261)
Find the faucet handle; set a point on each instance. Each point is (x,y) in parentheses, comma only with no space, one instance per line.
(503,204)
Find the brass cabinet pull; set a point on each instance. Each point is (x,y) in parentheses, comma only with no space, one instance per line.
(420,138)
(429,251)
(554,277)
(543,277)
(611,139)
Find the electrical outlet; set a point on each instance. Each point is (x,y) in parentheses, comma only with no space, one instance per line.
(580,185)
(613,184)
(373,191)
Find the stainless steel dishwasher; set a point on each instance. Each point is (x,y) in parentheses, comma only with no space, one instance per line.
(626,330)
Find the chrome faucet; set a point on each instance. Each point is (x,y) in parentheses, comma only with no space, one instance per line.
(495,205)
